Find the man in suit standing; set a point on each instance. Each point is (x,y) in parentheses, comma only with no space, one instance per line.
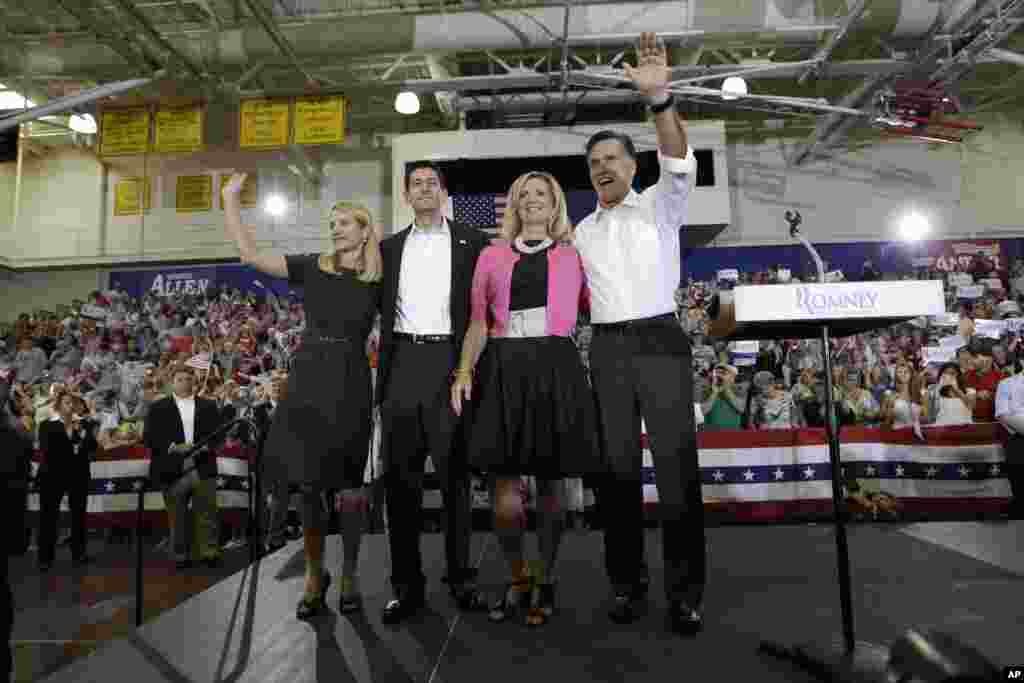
(428,273)
(275,513)
(174,425)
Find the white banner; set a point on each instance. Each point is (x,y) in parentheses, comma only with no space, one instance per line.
(970,291)
(992,329)
(937,355)
(953,343)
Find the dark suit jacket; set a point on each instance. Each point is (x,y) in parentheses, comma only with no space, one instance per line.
(467,243)
(59,451)
(15,468)
(164,427)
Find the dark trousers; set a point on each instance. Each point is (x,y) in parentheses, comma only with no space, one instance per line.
(1015,473)
(6,619)
(417,421)
(53,486)
(631,380)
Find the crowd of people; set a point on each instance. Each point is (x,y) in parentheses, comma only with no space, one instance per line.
(537,355)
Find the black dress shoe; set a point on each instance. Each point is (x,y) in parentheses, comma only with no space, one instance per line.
(215,562)
(274,546)
(402,607)
(625,610)
(468,597)
(683,619)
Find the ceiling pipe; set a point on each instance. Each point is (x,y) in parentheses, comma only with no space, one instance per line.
(327,36)
(1007,56)
(65,104)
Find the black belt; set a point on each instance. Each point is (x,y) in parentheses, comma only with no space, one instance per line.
(627,325)
(424,338)
(324,339)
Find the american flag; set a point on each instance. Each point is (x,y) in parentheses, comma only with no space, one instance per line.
(200,361)
(484,211)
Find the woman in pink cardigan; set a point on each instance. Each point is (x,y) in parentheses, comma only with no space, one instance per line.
(533,408)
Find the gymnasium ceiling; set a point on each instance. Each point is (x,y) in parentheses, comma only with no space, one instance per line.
(496,63)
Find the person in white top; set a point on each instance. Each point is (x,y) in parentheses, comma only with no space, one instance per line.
(1010,412)
(640,357)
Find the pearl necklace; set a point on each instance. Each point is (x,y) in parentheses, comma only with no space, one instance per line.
(522,246)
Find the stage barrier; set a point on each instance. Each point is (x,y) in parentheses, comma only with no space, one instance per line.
(763,475)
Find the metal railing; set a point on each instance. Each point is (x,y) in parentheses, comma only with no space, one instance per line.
(254,433)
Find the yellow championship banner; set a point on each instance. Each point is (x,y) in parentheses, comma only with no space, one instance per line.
(124,131)
(193,193)
(263,123)
(132,196)
(178,130)
(320,120)
(247,198)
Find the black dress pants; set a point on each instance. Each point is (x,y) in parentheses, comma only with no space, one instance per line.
(634,378)
(417,421)
(6,619)
(1015,474)
(53,486)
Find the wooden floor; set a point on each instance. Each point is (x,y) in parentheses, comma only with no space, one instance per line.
(764,582)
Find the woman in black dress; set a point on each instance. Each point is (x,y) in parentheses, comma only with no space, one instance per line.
(320,434)
(534,411)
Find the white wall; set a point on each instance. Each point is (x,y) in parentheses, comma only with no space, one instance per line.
(66,217)
(26,292)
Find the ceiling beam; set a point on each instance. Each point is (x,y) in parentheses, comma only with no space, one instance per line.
(171,52)
(833,40)
(133,55)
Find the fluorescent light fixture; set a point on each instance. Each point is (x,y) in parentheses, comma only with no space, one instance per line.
(407,103)
(275,205)
(733,88)
(914,226)
(83,124)
(10,99)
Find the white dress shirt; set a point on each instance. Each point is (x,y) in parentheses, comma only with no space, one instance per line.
(631,252)
(425,282)
(1010,402)
(187,408)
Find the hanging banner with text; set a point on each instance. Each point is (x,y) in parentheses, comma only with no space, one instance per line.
(132,196)
(248,198)
(948,255)
(178,130)
(124,132)
(320,121)
(193,193)
(263,123)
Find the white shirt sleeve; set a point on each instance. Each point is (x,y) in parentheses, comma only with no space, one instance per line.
(673,189)
(1004,396)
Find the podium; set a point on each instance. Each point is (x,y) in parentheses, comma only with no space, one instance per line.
(822,310)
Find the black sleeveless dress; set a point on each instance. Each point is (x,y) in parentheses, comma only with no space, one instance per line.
(320,433)
(535,413)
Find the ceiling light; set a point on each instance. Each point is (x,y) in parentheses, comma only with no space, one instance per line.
(275,205)
(12,100)
(407,103)
(733,88)
(914,226)
(83,124)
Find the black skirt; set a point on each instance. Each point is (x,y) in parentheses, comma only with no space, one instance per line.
(533,411)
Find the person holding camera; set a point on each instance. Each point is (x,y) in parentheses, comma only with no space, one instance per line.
(950,400)
(724,407)
(174,426)
(68,442)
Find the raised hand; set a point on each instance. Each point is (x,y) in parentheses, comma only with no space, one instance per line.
(234,186)
(651,73)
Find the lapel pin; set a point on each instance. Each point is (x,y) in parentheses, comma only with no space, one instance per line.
(462,241)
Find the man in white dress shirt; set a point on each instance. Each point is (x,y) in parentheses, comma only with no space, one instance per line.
(428,273)
(1010,412)
(640,357)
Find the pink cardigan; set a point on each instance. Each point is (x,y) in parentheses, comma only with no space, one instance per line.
(492,286)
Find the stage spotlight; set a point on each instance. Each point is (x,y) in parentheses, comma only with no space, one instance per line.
(914,226)
(83,124)
(733,88)
(407,103)
(275,205)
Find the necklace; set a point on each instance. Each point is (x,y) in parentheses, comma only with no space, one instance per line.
(522,246)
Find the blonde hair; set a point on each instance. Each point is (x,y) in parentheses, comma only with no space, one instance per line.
(370,267)
(559,228)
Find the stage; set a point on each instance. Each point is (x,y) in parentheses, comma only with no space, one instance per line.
(765,581)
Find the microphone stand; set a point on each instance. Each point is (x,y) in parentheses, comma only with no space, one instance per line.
(848,659)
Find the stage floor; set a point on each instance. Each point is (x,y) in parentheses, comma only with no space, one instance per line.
(764,582)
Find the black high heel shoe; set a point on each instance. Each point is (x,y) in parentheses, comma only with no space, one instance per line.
(310,607)
(514,599)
